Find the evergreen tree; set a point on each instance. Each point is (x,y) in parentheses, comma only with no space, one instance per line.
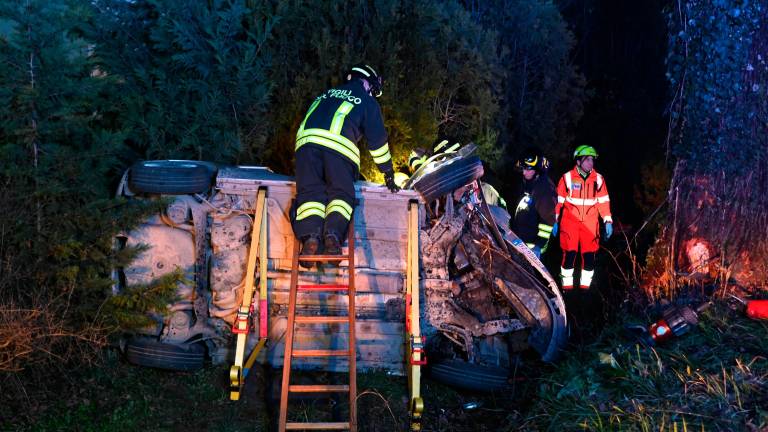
(542,93)
(439,69)
(56,160)
(191,75)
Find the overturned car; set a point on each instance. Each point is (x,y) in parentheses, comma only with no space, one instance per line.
(485,297)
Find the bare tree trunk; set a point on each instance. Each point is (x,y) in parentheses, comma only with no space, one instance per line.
(34,142)
(718,199)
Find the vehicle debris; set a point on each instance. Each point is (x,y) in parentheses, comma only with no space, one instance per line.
(675,321)
(755,309)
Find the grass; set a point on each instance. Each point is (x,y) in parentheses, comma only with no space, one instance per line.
(715,378)
(122,397)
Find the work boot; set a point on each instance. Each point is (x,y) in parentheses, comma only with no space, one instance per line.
(310,246)
(332,247)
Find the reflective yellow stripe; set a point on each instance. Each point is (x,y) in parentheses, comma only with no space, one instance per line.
(333,141)
(311,212)
(382,159)
(381,155)
(332,144)
(341,203)
(453,148)
(531,245)
(309,113)
(339,206)
(442,144)
(338,118)
(545,227)
(417,162)
(338,210)
(381,151)
(544,234)
(310,208)
(339,139)
(310,204)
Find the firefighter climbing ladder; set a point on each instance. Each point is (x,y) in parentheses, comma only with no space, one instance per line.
(239,371)
(350,351)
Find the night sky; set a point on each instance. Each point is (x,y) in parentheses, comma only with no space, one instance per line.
(621,47)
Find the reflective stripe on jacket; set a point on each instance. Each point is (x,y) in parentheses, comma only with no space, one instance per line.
(339,118)
(533,217)
(581,199)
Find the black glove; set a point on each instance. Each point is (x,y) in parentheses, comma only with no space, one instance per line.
(389,180)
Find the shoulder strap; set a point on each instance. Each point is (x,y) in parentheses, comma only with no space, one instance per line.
(568,182)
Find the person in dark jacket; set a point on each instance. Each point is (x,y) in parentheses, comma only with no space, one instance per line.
(328,159)
(534,212)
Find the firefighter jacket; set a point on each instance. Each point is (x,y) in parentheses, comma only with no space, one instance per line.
(534,214)
(582,200)
(339,118)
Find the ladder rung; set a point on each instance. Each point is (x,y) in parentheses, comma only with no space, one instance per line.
(321,258)
(320,353)
(326,287)
(319,388)
(317,426)
(321,319)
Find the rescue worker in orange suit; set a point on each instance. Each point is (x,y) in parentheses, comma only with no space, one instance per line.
(534,215)
(582,200)
(328,159)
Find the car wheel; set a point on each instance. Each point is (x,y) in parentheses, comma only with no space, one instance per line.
(171,177)
(150,352)
(448,176)
(469,376)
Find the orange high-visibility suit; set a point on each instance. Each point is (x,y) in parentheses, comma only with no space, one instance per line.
(581,202)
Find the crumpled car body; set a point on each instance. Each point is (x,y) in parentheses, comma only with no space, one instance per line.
(480,302)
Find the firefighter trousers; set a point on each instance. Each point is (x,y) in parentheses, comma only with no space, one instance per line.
(325,193)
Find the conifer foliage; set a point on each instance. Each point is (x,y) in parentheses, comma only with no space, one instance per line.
(58,161)
(540,90)
(439,69)
(192,75)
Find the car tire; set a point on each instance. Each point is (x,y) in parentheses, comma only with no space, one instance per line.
(171,177)
(449,176)
(469,376)
(150,352)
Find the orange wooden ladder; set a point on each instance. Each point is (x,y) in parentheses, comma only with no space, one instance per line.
(350,352)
